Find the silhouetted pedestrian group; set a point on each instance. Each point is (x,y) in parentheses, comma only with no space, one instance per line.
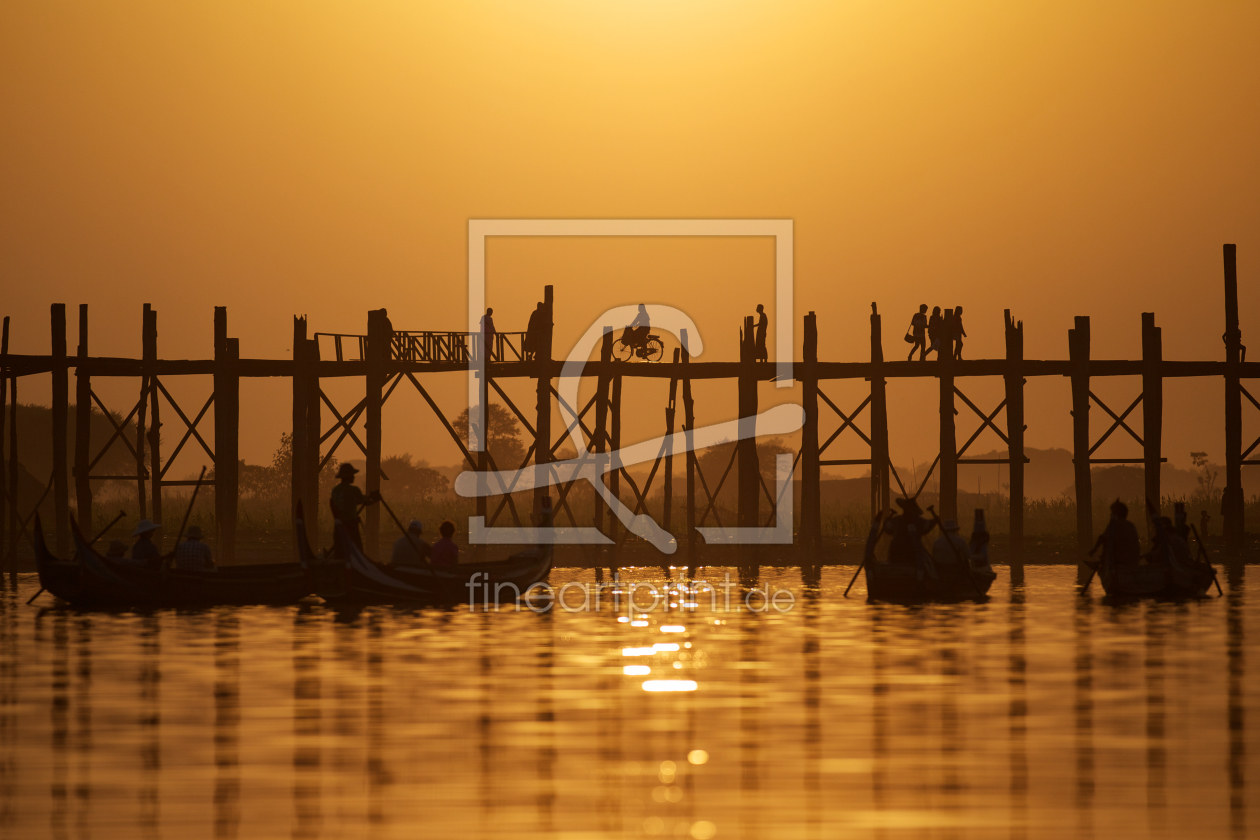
(928,333)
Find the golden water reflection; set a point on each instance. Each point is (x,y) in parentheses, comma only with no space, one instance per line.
(1037,714)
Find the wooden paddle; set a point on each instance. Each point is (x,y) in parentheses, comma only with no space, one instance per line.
(878,529)
(966,562)
(114,522)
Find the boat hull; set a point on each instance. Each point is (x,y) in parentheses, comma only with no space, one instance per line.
(93,580)
(899,583)
(1155,580)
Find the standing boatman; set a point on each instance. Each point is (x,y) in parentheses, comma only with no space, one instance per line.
(347,499)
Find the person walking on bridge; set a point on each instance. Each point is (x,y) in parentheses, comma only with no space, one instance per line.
(917,334)
(488,333)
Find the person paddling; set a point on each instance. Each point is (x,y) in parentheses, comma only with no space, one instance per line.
(1120,541)
(346,500)
(907,530)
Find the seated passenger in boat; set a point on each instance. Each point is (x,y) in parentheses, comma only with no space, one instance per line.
(907,529)
(1120,542)
(144,552)
(949,548)
(445,552)
(1169,546)
(192,555)
(410,551)
(979,545)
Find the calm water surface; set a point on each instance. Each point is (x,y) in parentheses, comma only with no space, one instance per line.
(1037,714)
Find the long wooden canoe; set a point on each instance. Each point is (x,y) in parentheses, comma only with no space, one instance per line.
(902,583)
(363,580)
(93,580)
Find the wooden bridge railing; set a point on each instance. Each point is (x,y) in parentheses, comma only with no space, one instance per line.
(428,346)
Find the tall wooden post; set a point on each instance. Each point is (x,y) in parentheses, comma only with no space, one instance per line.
(881,486)
(614,444)
(1232,505)
(13,473)
(811,470)
(60,421)
(142,420)
(1015,431)
(949,441)
(1152,409)
(377,356)
(542,422)
(227,401)
(1078,352)
(689,426)
(599,443)
(4,410)
(300,428)
(311,459)
(155,421)
(746,446)
(668,518)
(83,426)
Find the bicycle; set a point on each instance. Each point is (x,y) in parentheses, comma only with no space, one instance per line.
(652,350)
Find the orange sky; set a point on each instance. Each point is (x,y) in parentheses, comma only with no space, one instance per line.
(324,158)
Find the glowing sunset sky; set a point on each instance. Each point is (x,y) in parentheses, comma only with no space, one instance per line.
(324,158)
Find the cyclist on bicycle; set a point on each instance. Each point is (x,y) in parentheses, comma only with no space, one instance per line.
(636,334)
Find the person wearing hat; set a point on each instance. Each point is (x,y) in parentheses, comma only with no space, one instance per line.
(144,552)
(192,554)
(347,499)
(908,529)
(950,548)
(410,550)
(1120,542)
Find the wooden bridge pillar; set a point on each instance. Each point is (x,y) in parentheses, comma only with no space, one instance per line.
(4,459)
(746,446)
(542,423)
(689,426)
(142,420)
(1232,505)
(667,519)
(60,422)
(155,421)
(881,489)
(948,500)
(811,470)
(305,434)
(1078,353)
(1152,409)
(599,442)
(83,427)
(227,402)
(377,356)
(1014,381)
(614,444)
(13,469)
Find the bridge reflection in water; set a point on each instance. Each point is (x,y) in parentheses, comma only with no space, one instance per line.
(1038,714)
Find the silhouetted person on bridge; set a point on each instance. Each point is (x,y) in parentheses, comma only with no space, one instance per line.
(959,333)
(917,334)
(763,324)
(935,331)
(488,333)
(389,334)
(636,334)
(346,500)
(534,332)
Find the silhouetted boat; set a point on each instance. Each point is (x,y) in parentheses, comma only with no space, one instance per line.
(93,580)
(360,579)
(1160,579)
(900,583)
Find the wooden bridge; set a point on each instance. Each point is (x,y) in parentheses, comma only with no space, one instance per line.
(385,360)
